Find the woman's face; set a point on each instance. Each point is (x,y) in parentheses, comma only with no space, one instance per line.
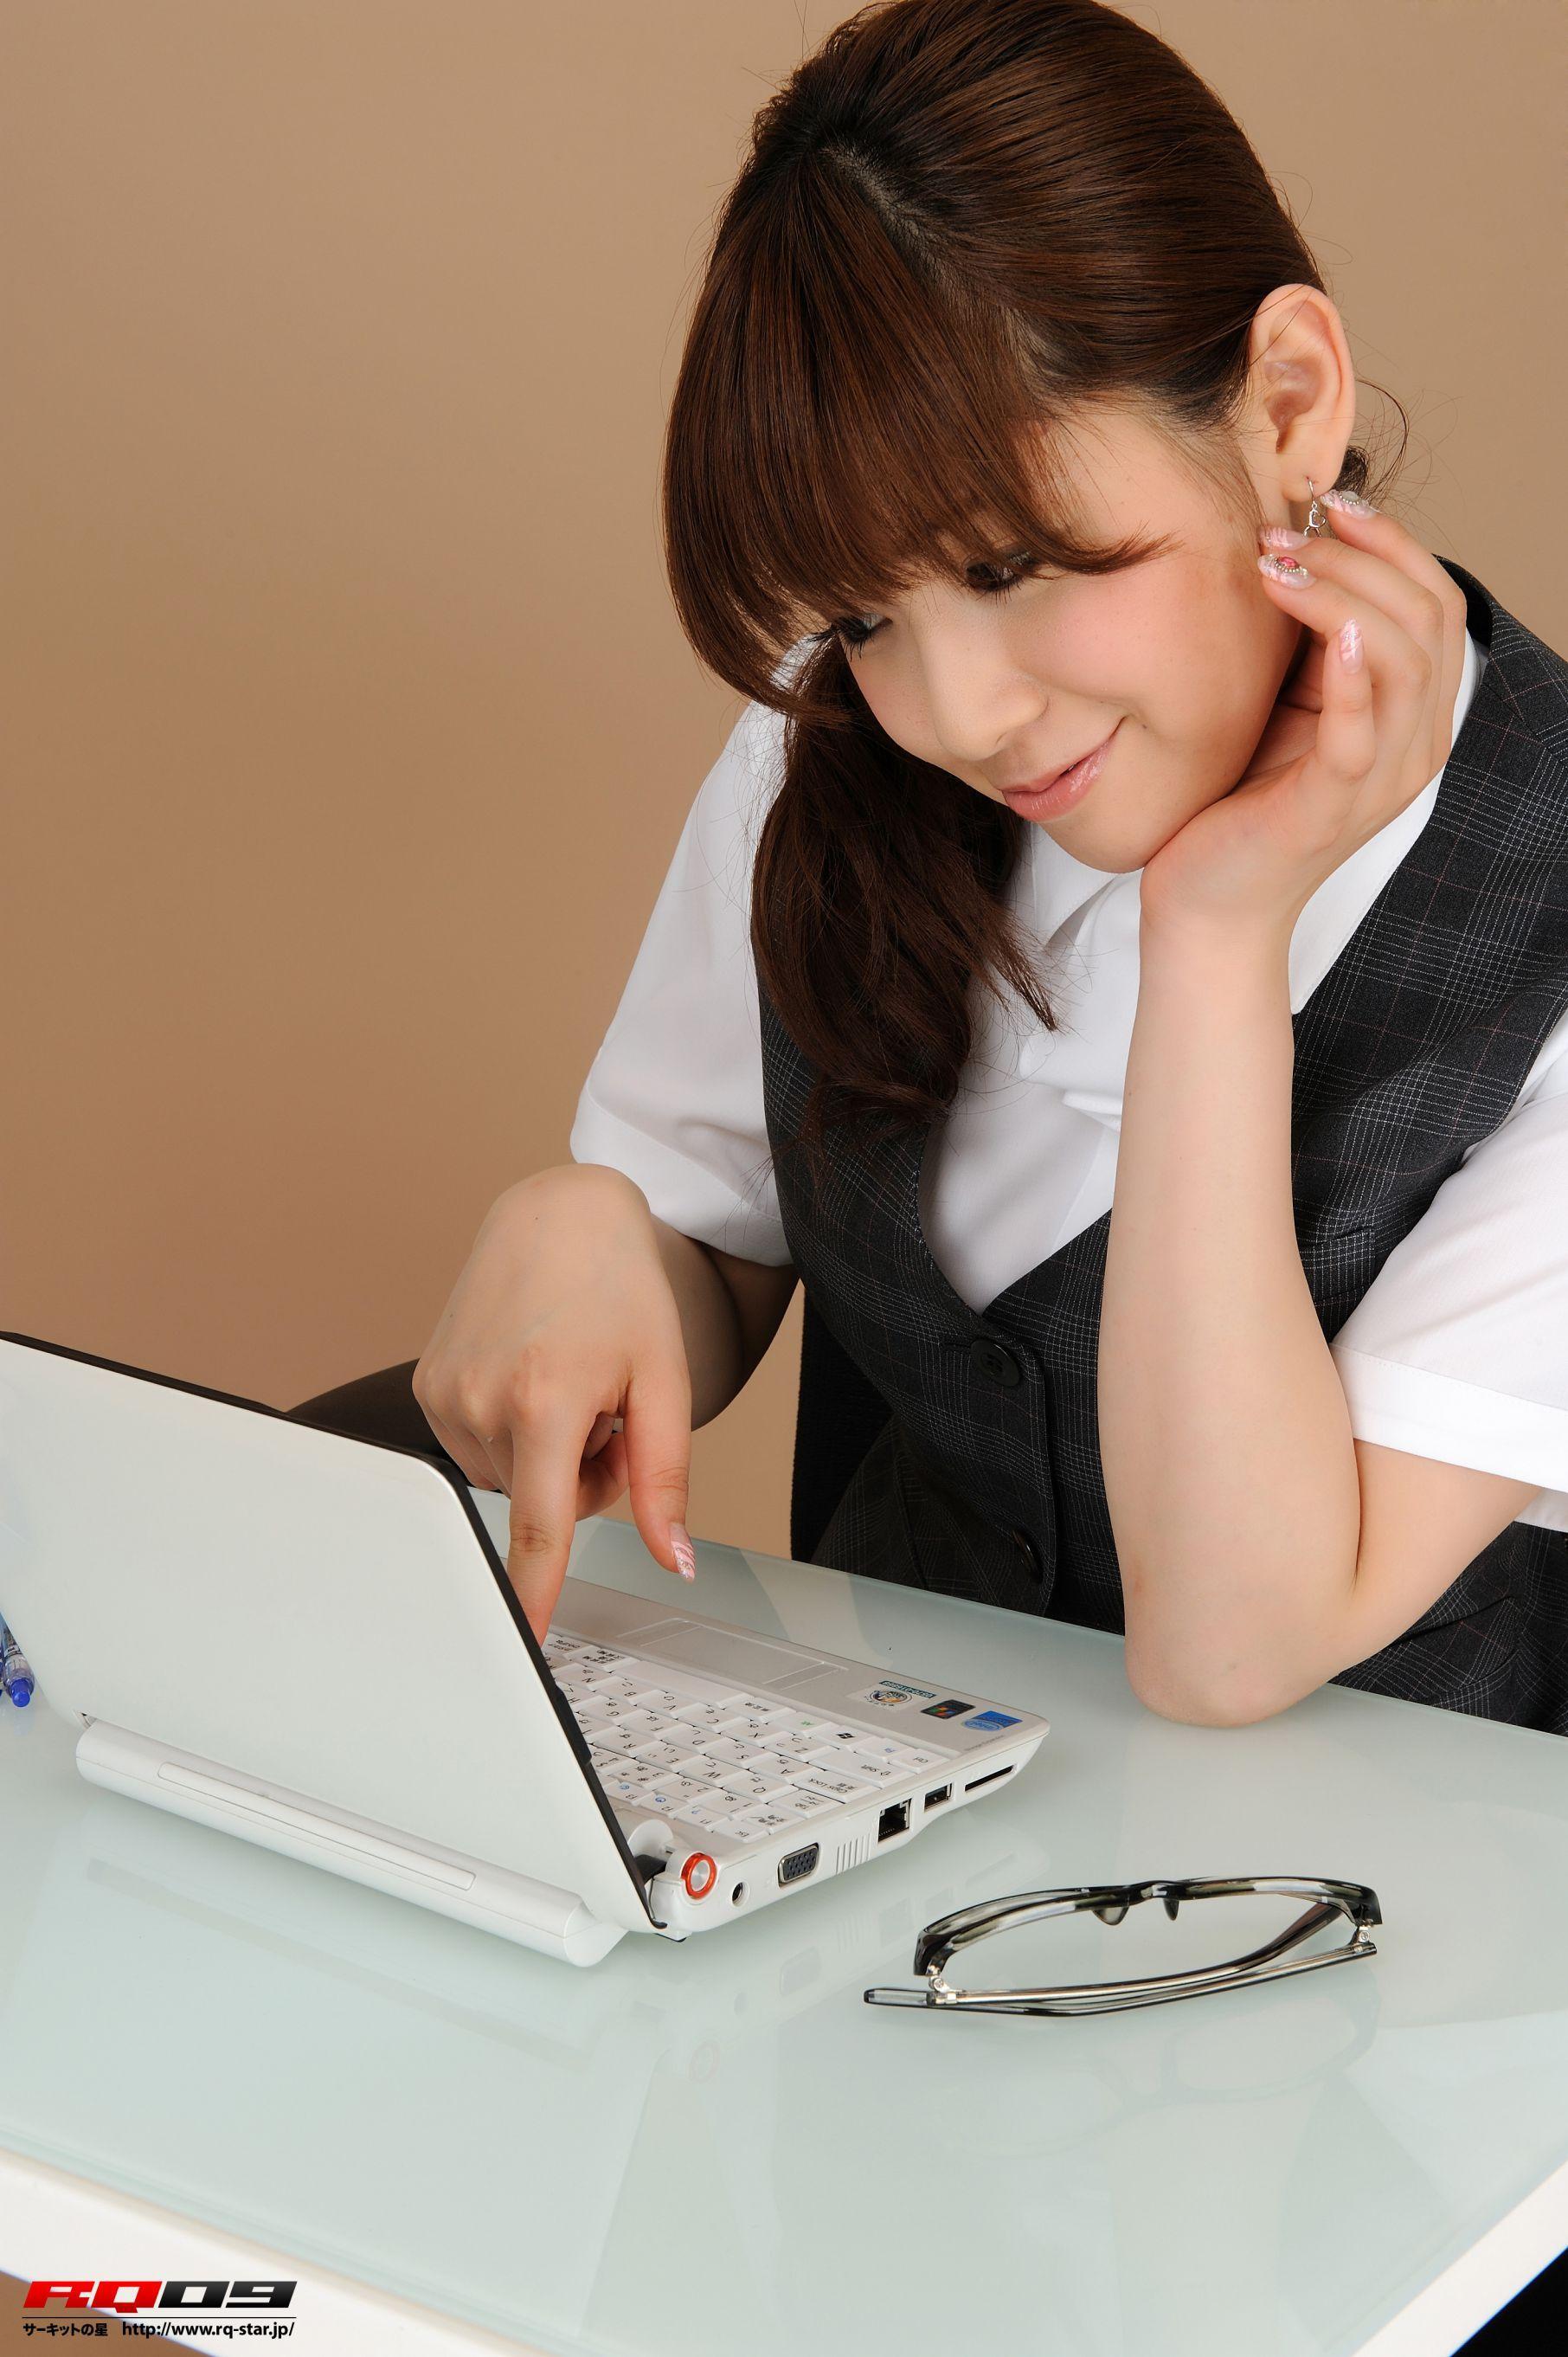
(1182,654)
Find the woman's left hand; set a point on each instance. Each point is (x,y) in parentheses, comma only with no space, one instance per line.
(1345,750)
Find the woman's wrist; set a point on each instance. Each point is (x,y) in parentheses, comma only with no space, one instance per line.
(1186,944)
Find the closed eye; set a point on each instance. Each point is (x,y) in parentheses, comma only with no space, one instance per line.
(853,633)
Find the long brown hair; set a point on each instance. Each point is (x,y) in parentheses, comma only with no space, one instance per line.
(961,224)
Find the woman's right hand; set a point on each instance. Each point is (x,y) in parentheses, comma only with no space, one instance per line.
(563,1319)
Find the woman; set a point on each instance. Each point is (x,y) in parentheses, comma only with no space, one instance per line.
(1177,1153)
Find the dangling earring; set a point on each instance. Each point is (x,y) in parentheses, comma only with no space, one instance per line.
(1317,514)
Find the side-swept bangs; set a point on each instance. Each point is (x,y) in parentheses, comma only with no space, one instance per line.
(850,422)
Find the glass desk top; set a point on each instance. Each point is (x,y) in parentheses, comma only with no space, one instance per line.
(691,2150)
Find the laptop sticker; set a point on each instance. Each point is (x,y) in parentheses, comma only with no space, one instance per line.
(951,1708)
(990,1719)
(895,1694)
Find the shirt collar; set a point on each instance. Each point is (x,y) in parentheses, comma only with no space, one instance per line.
(1061,885)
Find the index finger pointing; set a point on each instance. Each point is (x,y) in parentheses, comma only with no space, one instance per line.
(546,1462)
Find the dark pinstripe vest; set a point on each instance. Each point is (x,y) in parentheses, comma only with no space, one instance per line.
(983,1477)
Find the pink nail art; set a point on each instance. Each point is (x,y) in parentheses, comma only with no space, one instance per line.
(1350,501)
(685,1554)
(1281,569)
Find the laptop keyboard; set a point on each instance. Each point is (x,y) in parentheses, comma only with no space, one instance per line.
(730,1762)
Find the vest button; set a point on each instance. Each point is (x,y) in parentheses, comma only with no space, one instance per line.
(995,1359)
(1021,1538)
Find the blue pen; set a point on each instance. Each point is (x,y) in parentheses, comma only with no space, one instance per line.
(15,1675)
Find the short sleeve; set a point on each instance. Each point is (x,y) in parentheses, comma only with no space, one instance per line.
(1459,1349)
(673,1097)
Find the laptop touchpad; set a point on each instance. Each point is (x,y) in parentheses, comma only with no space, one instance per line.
(718,1655)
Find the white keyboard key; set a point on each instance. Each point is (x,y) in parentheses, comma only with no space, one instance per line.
(706,1813)
(608,1681)
(914,1755)
(599,1653)
(626,1790)
(608,1735)
(704,1713)
(797,1743)
(745,1727)
(772,1817)
(764,1706)
(605,1708)
(560,1649)
(885,1747)
(810,1804)
(668,1793)
(657,1754)
(740,1828)
(728,1747)
(637,1721)
(655,1697)
(793,1807)
(861,1764)
(746,1784)
(835,1781)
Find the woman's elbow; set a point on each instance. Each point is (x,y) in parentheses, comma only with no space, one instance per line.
(1234,1696)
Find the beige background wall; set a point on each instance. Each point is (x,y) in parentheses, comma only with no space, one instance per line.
(348,730)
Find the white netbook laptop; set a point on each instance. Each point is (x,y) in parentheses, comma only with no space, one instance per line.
(309,1640)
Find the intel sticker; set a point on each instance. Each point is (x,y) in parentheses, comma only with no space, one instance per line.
(989,1720)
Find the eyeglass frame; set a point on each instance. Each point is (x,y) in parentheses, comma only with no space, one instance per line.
(1110,1901)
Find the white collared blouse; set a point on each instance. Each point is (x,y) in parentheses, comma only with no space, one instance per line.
(1457,1351)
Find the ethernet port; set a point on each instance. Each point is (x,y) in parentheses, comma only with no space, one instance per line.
(895,1819)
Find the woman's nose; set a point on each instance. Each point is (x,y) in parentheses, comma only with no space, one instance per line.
(980,710)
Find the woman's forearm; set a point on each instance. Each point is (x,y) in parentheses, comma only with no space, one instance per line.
(1225,1438)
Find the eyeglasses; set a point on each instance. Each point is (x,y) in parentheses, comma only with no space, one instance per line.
(1110,1901)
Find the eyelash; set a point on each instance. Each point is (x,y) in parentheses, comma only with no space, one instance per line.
(852,646)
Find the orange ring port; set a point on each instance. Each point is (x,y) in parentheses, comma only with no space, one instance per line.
(699,1875)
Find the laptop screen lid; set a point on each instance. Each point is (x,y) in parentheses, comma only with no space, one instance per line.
(320,1612)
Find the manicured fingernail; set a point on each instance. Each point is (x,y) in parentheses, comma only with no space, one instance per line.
(1280,535)
(1351,501)
(1350,644)
(685,1554)
(1281,569)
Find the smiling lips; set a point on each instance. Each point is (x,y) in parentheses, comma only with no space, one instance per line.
(1038,785)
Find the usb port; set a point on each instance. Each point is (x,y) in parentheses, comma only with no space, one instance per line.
(895,1819)
(938,1794)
